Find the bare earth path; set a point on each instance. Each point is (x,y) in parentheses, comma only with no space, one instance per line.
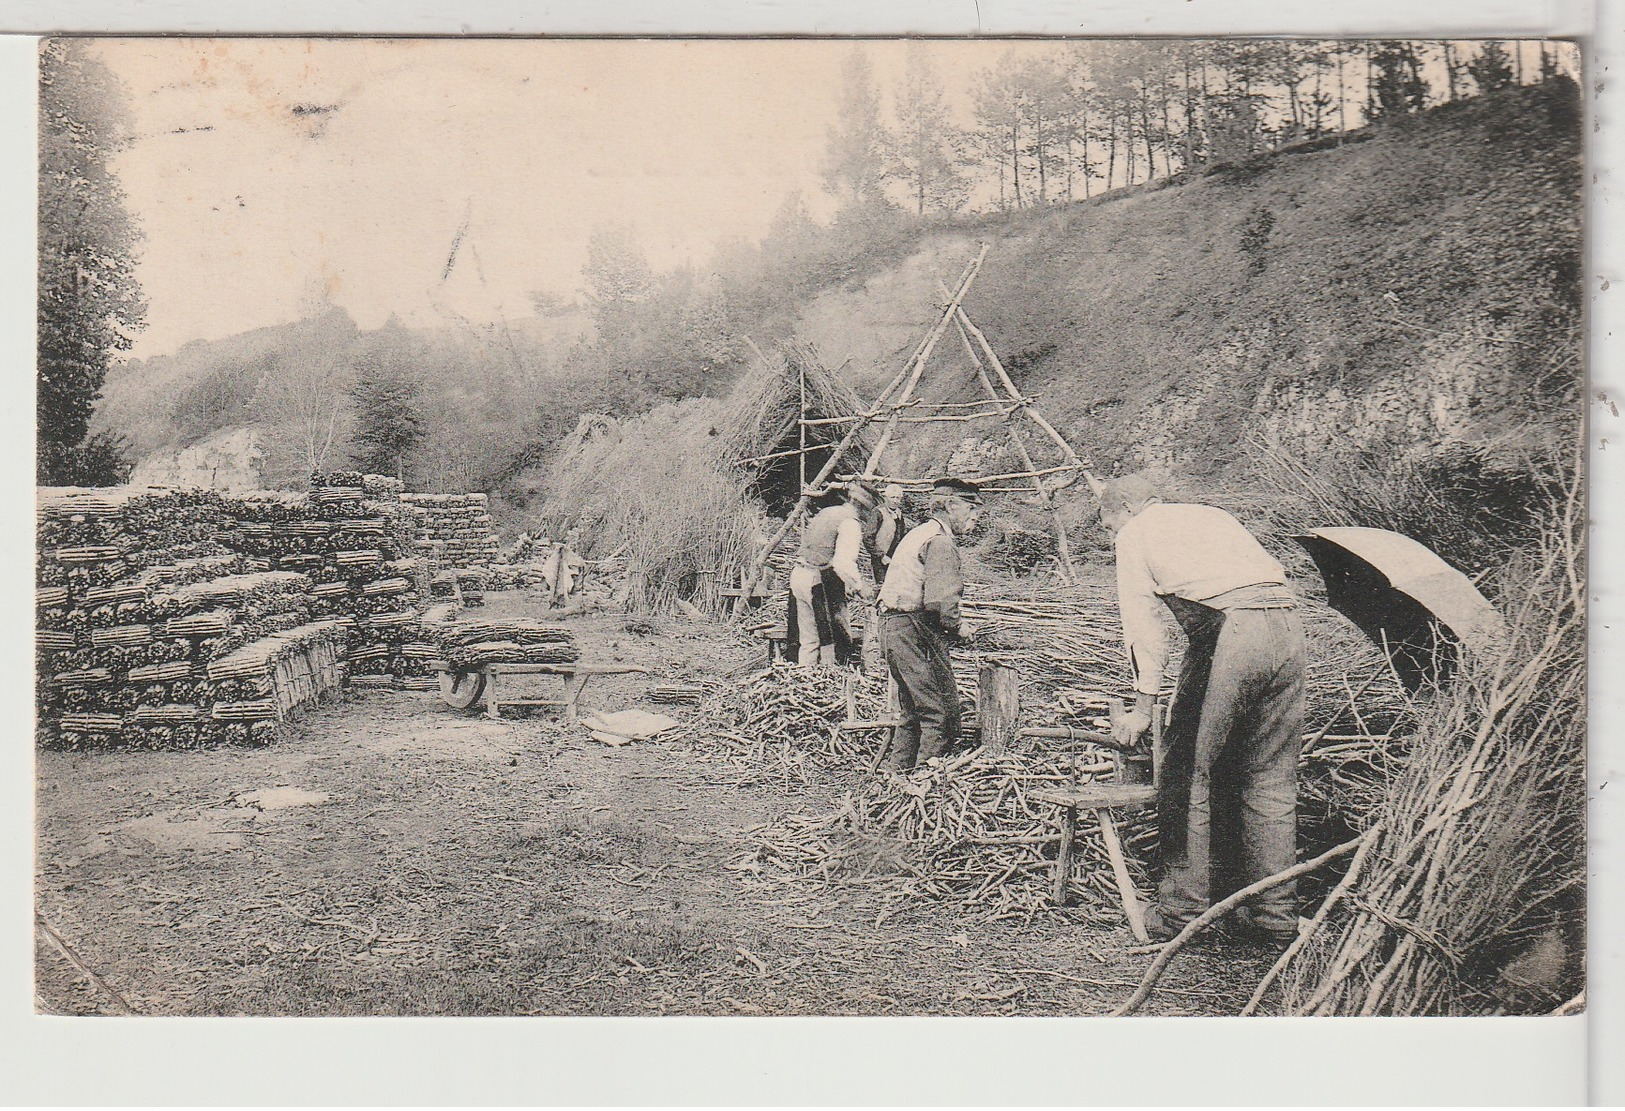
(396,856)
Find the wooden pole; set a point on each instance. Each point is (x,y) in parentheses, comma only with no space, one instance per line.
(919,363)
(801,382)
(852,434)
(1063,861)
(1125,884)
(1063,546)
(1031,411)
(998,706)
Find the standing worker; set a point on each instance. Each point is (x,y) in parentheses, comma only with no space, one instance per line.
(826,568)
(919,618)
(1227,783)
(890,528)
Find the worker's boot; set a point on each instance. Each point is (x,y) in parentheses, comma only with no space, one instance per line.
(1159,927)
(1270,936)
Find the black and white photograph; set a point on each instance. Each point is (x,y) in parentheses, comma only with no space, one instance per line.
(1041,527)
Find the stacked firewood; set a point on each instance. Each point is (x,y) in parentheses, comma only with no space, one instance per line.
(468,645)
(138,599)
(357,550)
(453,530)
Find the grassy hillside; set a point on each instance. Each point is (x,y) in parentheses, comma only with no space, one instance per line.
(1420,283)
(1396,317)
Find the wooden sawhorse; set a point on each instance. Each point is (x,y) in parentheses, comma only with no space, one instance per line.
(573,675)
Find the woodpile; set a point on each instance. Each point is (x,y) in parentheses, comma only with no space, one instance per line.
(468,645)
(961,829)
(779,725)
(453,530)
(358,552)
(140,599)
(1467,893)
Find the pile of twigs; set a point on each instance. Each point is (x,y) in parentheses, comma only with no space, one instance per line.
(1468,891)
(963,830)
(780,724)
(1055,635)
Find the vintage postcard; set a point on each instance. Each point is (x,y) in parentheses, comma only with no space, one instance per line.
(1043,527)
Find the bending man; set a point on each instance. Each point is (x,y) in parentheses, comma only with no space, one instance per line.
(1227,776)
(826,568)
(919,617)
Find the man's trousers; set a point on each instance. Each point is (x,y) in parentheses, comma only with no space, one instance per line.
(917,654)
(817,621)
(1228,775)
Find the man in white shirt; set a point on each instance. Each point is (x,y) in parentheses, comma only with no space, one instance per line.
(1227,773)
(826,569)
(919,617)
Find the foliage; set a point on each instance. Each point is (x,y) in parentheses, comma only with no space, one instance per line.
(101,459)
(1492,69)
(854,167)
(926,151)
(89,302)
(388,419)
(1398,88)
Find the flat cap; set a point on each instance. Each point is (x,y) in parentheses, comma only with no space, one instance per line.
(954,486)
(861,492)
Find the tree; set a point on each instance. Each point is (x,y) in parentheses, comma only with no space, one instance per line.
(1000,118)
(1397,88)
(855,159)
(616,271)
(302,394)
(927,151)
(1045,103)
(387,422)
(389,418)
(1492,69)
(89,301)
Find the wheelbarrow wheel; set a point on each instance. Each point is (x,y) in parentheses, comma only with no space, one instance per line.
(461,689)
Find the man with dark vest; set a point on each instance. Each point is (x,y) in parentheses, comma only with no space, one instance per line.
(1227,774)
(890,526)
(826,568)
(920,617)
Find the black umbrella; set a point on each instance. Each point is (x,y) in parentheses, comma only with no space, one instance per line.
(1414,605)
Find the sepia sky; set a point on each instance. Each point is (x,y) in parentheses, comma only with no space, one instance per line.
(269,174)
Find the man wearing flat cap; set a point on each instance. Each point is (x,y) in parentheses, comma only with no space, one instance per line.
(816,621)
(1227,773)
(920,617)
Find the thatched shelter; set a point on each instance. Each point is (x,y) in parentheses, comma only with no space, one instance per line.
(684,492)
(762,435)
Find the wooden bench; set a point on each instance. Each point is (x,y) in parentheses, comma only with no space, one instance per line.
(455,687)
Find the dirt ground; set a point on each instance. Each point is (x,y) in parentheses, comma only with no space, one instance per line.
(394,856)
